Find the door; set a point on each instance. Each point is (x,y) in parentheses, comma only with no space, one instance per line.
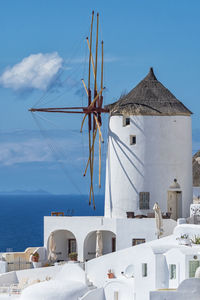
(71,245)
(174,203)
(113,244)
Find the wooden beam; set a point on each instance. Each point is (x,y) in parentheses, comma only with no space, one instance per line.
(96,98)
(99,161)
(96,55)
(92,172)
(90,54)
(91,149)
(90,106)
(88,43)
(85,86)
(53,108)
(59,111)
(85,110)
(90,162)
(99,128)
(101,65)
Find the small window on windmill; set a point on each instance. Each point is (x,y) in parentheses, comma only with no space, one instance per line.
(144,198)
(126,121)
(132,139)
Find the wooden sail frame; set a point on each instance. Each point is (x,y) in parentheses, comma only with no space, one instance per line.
(94,109)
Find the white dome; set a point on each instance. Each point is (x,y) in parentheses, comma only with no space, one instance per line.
(191,285)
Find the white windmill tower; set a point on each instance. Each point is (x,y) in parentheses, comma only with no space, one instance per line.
(149,155)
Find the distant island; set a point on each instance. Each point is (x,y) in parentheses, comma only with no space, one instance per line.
(23,192)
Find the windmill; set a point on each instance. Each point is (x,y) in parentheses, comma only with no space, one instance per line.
(93,111)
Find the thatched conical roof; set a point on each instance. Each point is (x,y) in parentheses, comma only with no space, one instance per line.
(196,168)
(149,97)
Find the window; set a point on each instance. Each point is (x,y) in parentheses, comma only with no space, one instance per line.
(144,198)
(132,139)
(137,241)
(126,121)
(71,245)
(144,270)
(113,244)
(193,265)
(172,271)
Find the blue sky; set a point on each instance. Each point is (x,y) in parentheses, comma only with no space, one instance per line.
(51,34)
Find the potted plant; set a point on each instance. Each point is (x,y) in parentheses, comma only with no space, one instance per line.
(73,256)
(110,274)
(196,240)
(35,257)
(184,240)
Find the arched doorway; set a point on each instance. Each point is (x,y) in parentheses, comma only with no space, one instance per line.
(109,244)
(65,244)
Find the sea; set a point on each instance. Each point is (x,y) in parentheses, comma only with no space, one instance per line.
(21,216)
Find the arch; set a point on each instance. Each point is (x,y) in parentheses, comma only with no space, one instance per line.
(65,242)
(89,245)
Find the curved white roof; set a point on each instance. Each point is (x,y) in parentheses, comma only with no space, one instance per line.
(192,285)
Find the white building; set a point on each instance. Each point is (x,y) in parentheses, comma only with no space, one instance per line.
(154,270)
(149,146)
(73,234)
(157,266)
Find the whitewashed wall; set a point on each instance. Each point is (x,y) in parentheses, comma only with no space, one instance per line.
(119,289)
(80,227)
(162,274)
(8,278)
(176,257)
(118,262)
(189,229)
(163,151)
(124,229)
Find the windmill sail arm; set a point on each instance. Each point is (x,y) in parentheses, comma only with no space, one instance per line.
(85,87)
(99,128)
(88,43)
(82,110)
(57,111)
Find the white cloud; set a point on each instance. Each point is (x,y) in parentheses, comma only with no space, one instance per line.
(55,146)
(35,150)
(24,152)
(36,71)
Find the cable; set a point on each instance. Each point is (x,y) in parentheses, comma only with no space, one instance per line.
(55,152)
(46,93)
